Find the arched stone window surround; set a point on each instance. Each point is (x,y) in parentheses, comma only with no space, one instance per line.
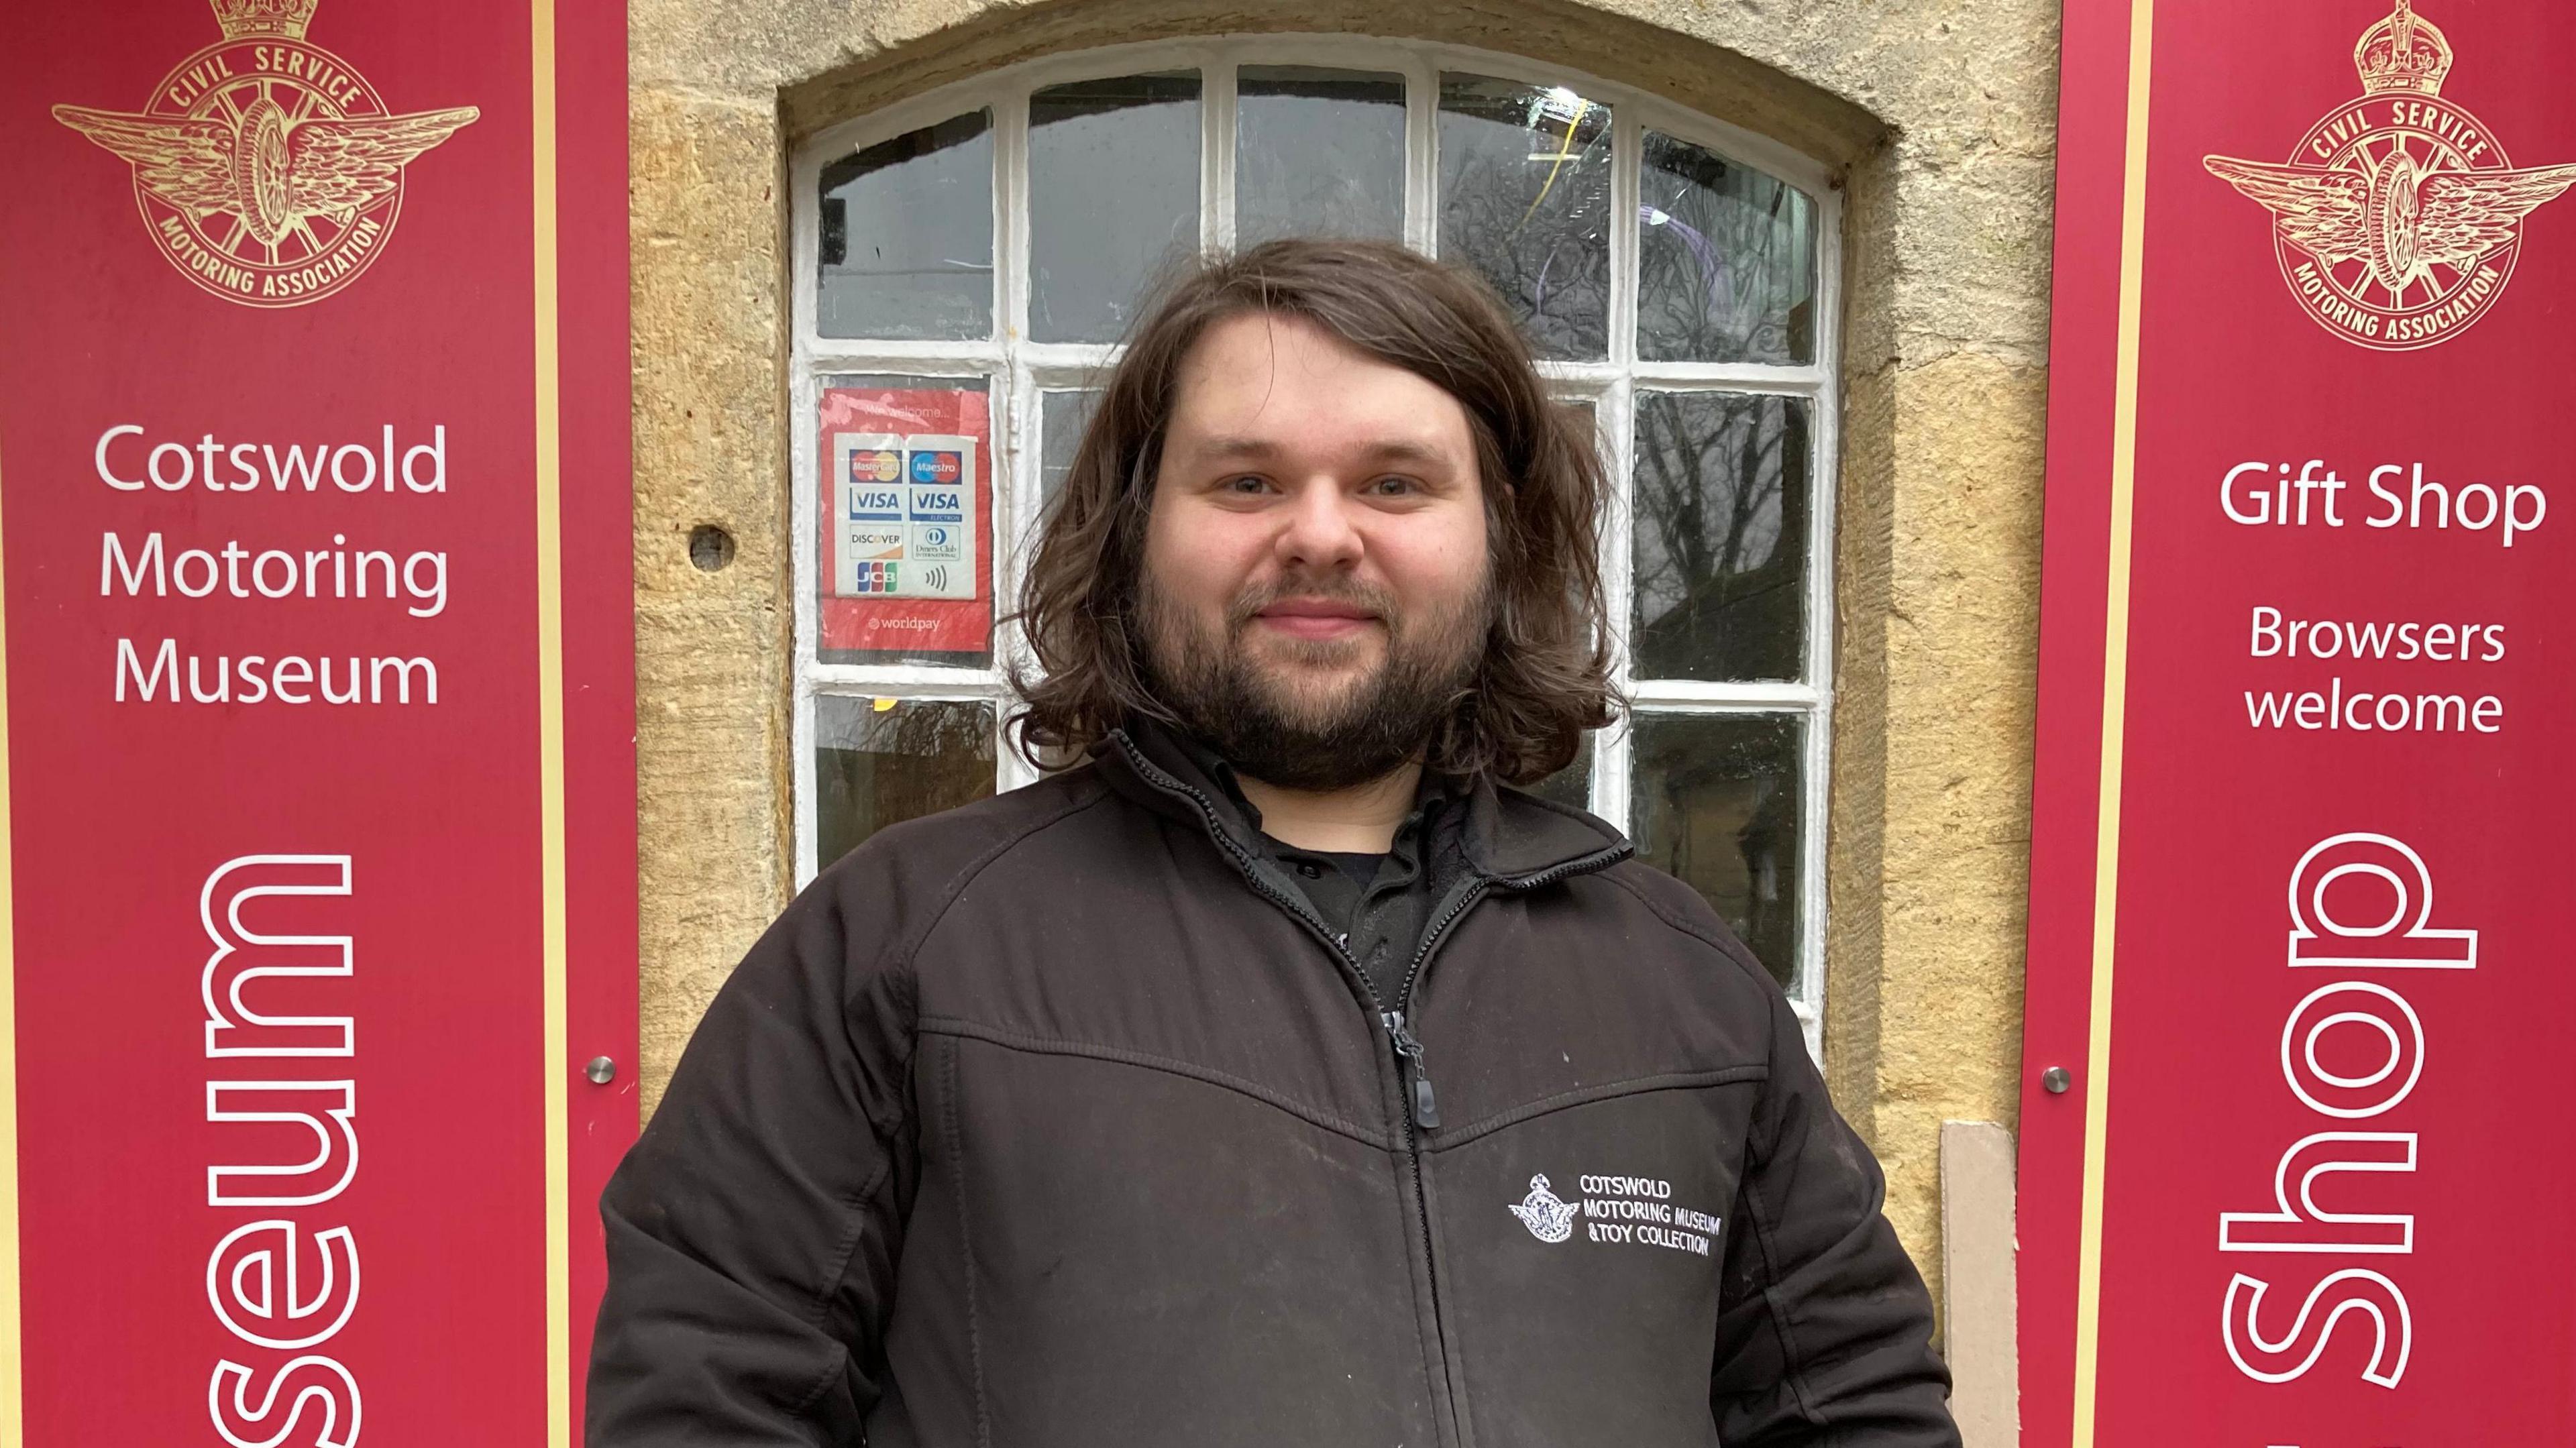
(1022,368)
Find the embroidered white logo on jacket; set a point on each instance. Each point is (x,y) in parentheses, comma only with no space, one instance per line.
(1548,1218)
(1634,1210)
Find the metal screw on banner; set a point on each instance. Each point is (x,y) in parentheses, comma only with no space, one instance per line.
(2055,1078)
(602,1070)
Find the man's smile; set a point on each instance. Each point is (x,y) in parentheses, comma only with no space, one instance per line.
(1316,618)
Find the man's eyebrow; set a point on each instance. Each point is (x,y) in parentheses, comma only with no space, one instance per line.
(1257,449)
(1235,447)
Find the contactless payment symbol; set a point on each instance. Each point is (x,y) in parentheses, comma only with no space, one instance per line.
(906,519)
(2397,219)
(268,171)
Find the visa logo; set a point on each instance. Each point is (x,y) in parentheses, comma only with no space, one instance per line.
(938,500)
(875,503)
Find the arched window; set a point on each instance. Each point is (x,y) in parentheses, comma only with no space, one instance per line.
(966,261)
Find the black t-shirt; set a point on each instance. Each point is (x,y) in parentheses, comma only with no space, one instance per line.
(1377,903)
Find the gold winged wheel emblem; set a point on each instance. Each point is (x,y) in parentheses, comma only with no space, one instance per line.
(273,169)
(2404,200)
(268,169)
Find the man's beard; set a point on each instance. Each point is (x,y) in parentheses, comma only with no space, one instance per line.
(1319,736)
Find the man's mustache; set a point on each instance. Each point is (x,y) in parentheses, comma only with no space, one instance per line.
(1373,601)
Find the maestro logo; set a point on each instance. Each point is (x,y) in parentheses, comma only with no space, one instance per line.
(2397,219)
(936,467)
(267,170)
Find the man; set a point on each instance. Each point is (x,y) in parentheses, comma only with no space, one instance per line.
(1274,1073)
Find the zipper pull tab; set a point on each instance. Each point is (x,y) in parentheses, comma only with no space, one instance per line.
(1417,1079)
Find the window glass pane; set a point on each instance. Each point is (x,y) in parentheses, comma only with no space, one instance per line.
(1720,546)
(1716,801)
(1525,200)
(904,561)
(1317,153)
(1113,198)
(1061,418)
(1572,784)
(879,762)
(1726,266)
(907,235)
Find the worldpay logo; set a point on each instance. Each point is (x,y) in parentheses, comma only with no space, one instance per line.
(285,1281)
(2361,907)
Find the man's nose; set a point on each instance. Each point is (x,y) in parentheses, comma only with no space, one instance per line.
(1319,531)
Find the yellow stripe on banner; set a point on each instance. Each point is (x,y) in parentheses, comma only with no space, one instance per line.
(2115,696)
(550,739)
(13,1426)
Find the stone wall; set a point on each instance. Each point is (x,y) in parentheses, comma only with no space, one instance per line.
(1939,117)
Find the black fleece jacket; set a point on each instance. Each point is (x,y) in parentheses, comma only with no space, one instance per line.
(1062,1120)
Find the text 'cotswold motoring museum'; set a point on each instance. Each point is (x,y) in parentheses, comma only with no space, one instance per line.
(495,496)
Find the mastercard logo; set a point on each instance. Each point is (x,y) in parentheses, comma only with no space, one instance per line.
(875,465)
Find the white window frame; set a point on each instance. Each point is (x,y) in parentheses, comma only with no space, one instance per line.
(1017,370)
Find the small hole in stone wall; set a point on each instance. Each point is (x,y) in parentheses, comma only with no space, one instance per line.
(710,547)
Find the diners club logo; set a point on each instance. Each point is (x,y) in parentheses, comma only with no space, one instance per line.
(2398,218)
(268,171)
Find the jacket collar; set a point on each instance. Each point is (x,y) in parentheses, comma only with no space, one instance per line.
(1510,836)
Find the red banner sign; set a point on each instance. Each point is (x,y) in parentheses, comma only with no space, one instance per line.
(2293,1170)
(319,789)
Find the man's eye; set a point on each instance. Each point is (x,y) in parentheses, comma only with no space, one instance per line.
(1392,487)
(1246,483)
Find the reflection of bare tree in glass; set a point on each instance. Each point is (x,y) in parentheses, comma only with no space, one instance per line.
(1724,268)
(1720,502)
(873,768)
(1717,806)
(1537,229)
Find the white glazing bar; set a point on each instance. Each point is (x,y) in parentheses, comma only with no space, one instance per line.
(801,775)
(1422,154)
(1816,796)
(1011,243)
(952,689)
(1825,434)
(1015,771)
(1709,697)
(1216,154)
(1577,375)
(1733,377)
(1624,154)
(936,359)
(1619,406)
(804,530)
(1057,364)
(1015,481)
(1611,748)
(903,680)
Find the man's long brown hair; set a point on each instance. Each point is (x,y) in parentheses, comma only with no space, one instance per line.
(1545,676)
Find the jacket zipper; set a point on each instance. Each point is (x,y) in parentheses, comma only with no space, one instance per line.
(1408,1050)
(1422,1105)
